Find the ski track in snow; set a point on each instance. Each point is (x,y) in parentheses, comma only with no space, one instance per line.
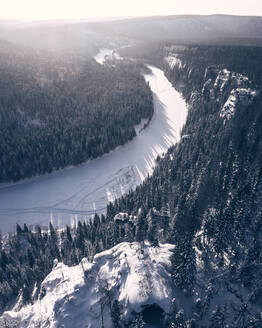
(78,192)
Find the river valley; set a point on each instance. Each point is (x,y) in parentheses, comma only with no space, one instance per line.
(78,192)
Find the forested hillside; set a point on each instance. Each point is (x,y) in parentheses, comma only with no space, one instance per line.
(204,196)
(211,182)
(57,111)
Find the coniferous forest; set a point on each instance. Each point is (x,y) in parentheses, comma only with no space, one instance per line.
(204,195)
(61,110)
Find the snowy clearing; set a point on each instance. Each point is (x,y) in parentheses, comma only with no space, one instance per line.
(76,193)
(134,274)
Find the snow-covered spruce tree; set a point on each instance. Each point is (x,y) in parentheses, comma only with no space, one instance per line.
(140,228)
(152,223)
(183,263)
(218,318)
(178,320)
(116,314)
(138,322)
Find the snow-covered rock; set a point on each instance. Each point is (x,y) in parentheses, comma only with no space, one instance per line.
(221,84)
(221,80)
(242,97)
(81,296)
(121,217)
(173,61)
(106,54)
(217,80)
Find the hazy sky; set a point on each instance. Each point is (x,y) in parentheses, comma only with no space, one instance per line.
(78,9)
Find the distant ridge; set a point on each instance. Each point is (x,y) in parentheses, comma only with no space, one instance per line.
(82,35)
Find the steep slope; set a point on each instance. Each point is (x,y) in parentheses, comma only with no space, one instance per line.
(131,275)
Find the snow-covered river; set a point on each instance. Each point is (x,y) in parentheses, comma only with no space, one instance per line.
(76,193)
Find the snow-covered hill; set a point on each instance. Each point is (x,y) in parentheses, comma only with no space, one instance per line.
(137,275)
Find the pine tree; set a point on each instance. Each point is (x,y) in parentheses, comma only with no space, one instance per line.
(18,229)
(138,322)
(152,221)
(116,314)
(140,228)
(184,266)
(218,318)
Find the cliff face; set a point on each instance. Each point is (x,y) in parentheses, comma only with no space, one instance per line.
(213,83)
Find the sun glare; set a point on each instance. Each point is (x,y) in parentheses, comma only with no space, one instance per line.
(80,9)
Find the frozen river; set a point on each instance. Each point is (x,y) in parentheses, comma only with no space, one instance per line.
(79,192)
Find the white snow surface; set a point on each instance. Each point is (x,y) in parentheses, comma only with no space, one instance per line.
(173,61)
(135,274)
(224,78)
(140,127)
(243,97)
(76,193)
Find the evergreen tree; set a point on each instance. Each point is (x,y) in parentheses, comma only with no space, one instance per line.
(218,318)
(116,314)
(152,221)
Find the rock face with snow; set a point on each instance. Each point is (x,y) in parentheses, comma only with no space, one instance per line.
(238,97)
(227,88)
(220,82)
(173,61)
(137,275)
